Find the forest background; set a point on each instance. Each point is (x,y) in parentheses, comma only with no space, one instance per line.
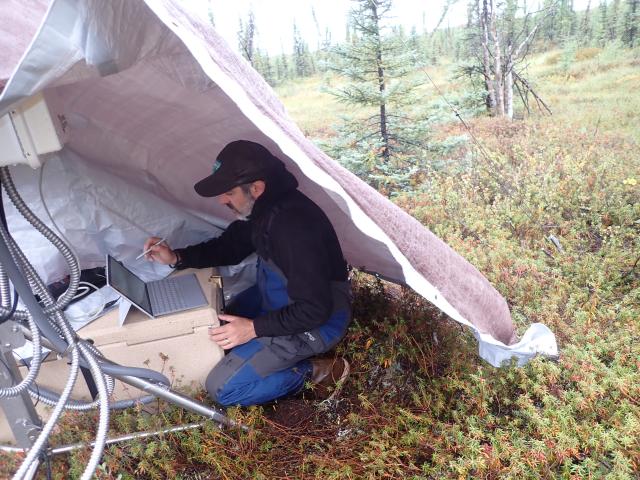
(515,139)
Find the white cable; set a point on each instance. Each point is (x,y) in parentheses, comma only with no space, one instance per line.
(89,316)
(82,290)
(46,209)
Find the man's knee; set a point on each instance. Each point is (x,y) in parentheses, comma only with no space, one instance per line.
(213,384)
(220,376)
(228,390)
(227,377)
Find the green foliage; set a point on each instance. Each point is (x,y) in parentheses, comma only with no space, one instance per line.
(568,55)
(303,62)
(580,417)
(419,403)
(611,53)
(386,147)
(263,64)
(631,24)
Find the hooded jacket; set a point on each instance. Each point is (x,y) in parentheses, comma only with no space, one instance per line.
(289,231)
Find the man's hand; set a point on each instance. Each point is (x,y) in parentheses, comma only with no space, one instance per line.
(159,253)
(239,330)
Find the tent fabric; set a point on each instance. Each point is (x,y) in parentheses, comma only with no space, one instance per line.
(148,92)
(20,21)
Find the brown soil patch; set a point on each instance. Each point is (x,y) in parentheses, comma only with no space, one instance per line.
(291,412)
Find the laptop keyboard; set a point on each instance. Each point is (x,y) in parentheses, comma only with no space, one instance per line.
(166,296)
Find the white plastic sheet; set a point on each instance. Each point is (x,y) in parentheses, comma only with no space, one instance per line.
(99,213)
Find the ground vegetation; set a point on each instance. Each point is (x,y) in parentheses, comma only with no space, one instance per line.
(547,206)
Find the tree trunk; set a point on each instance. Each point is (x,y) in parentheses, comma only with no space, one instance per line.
(632,23)
(486,59)
(508,92)
(497,63)
(386,153)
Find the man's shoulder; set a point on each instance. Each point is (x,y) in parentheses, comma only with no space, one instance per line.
(296,214)
(297,206)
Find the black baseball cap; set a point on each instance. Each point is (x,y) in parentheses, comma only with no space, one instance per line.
(238,163)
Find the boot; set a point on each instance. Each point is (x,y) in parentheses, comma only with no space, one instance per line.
(328,377)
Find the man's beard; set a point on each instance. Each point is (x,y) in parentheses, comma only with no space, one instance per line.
(246,211)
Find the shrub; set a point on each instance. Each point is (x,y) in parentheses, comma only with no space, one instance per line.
(587,53)
(553,58)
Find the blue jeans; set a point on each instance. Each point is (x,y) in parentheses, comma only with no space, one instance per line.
(267,368)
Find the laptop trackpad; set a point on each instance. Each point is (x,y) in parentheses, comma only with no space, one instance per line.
(175,294)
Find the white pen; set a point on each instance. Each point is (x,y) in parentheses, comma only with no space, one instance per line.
(149,249)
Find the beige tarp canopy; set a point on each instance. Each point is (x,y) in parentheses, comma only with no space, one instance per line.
(147,94)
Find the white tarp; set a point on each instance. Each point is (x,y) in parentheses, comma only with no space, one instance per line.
(148,94)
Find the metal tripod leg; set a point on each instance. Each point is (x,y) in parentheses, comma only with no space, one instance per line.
(160,391)
(179,400)
(20,412)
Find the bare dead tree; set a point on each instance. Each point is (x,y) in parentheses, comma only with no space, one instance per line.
(501,53)
(486,56)
(445,9)
(498,77)
(527,89)
(511,58)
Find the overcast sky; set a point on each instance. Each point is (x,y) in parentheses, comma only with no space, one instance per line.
(275,18)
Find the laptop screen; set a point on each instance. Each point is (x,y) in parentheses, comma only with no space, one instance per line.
(128,285)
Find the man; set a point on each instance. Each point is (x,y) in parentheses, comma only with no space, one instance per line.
(300,306)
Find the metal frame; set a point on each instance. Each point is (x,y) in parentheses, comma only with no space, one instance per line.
(20,411)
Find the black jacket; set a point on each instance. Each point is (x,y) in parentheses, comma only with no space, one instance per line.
(288,229)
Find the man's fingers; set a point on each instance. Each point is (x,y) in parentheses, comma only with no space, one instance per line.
(158,248)
(218,332)
(238,331)
(150,241)
(221,337)
(152,255)
(160,253)
(222,342)
(218,337)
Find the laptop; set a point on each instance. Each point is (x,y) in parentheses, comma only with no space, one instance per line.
(158,297)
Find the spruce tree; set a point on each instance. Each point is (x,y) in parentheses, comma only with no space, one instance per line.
(376,64)
(586,32)
(566,21)
(283,72)
(631,23)
(212,18)
(602,35)
(550,24)
(246,37)
(303,63)
(262,63)
(613,21)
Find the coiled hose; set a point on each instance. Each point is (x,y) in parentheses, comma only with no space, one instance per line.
(60,333)
(34,369)
(74,274)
